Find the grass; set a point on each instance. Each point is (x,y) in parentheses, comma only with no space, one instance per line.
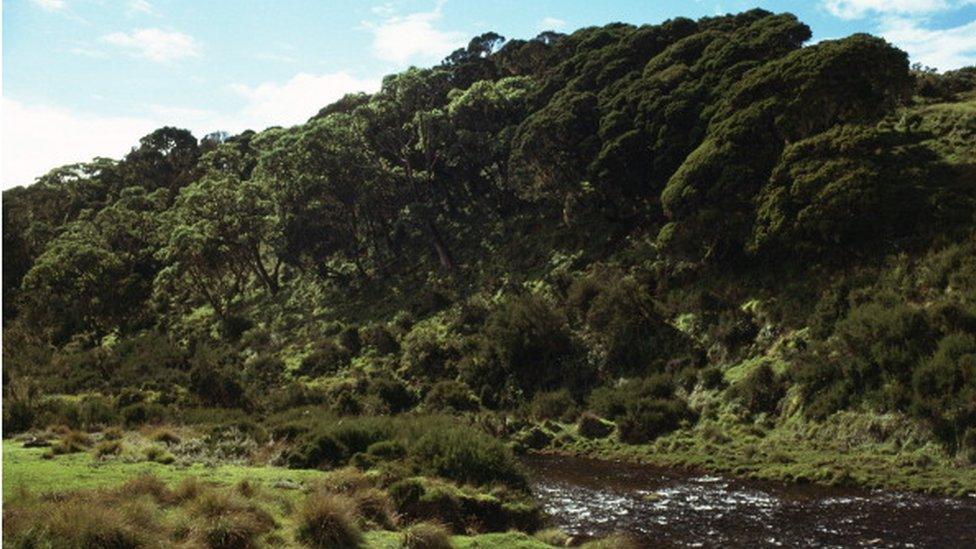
(835,453)
(222,506)
(24,468)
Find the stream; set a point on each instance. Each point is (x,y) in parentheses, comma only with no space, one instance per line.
(661,507)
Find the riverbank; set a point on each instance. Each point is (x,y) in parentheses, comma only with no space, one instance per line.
(850,451)
(662,506)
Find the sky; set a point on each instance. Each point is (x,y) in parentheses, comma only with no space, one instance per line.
(86,78)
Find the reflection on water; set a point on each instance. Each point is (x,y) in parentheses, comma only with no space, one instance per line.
(665,507)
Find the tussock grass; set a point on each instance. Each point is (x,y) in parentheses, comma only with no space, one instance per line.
(426,535)
(328,521)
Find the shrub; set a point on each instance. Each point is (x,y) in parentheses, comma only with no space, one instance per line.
(635,337)
(592,426)
(378,337)
(142,413)
(614,402)
(327,358)
(387,450)
(450,395)
(264,371)
(321,451)
(328,521)
(215,380)
(21,402)
(945,388)
(350,340)
(464,454)
(429,351)
(426,535)
(531,345)
(651,418)
(392,393)
(553,405)
(760,390)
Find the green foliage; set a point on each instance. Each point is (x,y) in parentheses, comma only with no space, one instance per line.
(558,405)
(651,418)
(451,395)
(327,358)
(760,391)
(526,346)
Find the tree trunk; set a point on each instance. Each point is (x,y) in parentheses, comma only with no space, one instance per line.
(443,254)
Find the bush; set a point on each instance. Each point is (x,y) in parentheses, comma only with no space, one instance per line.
(21,403)
(450,395)
(634,336)
(321,451)
(945,388)
(760,390)
(429,351)
(592,426)
(525,347)
(553,405)
(328,521)
(614,402)
(377,337)
(426,535)
(394,394)
(215,381)
(327,358)
(142,413)
(651,418)
(350,340)
(264,371)
(464,454)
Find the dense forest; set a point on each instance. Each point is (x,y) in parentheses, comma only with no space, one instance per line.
(706,241)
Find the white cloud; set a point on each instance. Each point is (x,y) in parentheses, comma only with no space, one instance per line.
(37,138)
(141,6)
(857,9)
(943,49)
(296,100)
(155,44)
(402,38)
(551,23)
(50,5)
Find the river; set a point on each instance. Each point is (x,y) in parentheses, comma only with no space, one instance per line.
(663,507)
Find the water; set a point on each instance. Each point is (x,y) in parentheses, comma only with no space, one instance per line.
(662,507)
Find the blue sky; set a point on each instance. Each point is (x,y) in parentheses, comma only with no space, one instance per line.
(89,77)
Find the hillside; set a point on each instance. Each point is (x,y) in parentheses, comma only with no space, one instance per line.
(694,243)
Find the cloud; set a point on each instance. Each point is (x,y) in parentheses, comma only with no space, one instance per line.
(50,5)
(551,23)
(943,49)
(155,44)
(297,99)
(403,38)
(857,9)
(37,138)
(141,6)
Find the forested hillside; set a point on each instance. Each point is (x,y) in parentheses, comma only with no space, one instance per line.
(697,238)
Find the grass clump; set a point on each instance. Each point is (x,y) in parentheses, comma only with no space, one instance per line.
(426,535)
(328,521)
